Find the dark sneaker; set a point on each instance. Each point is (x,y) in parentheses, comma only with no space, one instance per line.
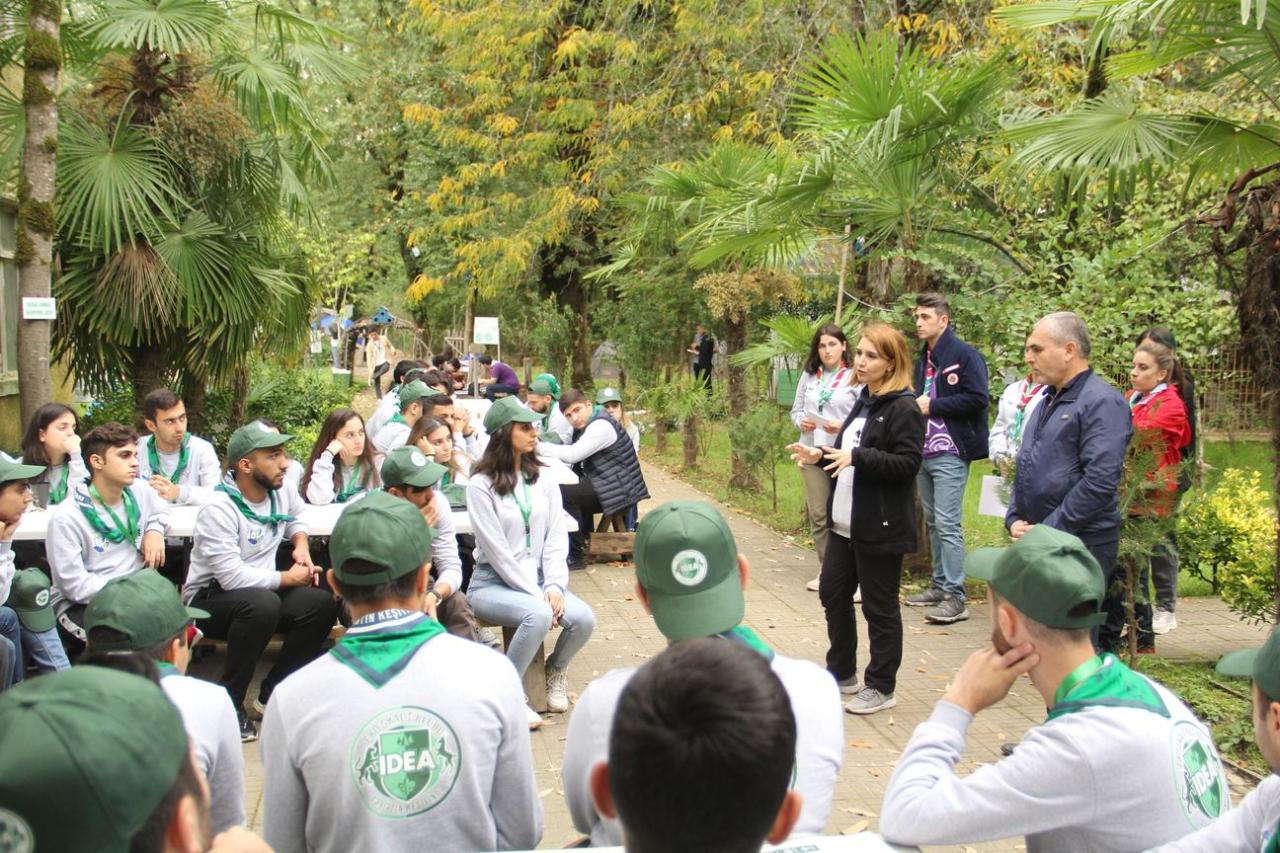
(248,731)
(869,700)
(928,598)
(951,609)
(1006,749)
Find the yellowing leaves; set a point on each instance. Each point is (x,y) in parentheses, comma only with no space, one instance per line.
(423,285)
(502,124)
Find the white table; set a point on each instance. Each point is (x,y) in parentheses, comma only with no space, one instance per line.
(863,842)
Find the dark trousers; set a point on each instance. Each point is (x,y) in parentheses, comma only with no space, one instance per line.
(493,390)
(581,502)
(246,619)
(379,371)
(457,617)
(467,551)
(1164,573)
(845,567)
(1108,635)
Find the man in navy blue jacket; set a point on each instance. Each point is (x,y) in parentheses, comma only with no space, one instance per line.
(1074,445)
(951,378)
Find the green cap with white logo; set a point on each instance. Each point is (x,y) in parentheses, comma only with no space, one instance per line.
(508,410)
(687,562)
(1049,575)
(1262,665)
(545,385)
(144,608)
(409,466)
(86,755)
(254,435)
(11,469)
(29,597)
(608,395)
(384,530)
(413,392)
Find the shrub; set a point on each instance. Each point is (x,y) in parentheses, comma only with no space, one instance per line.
(761,437)
(1227,537)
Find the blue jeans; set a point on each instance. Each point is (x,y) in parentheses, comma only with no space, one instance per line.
(494,601)
(941,482)
(42,647)
(11,669)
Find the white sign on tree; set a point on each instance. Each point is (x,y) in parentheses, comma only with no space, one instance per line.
(486,331)
(39,308)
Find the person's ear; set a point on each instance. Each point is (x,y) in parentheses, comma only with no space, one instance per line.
(183,832)
(420,585)
(644,598)
(744,569)
(332,577)
(601,795)
(149,425)
(175,646)
(788,814)
(1011,624)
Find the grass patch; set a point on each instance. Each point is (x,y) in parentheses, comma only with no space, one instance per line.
(1228,715)
(1246,455)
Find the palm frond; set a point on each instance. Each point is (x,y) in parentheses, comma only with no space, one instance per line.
(172,26)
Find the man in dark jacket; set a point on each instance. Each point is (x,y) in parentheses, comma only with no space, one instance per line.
(951,378)
(1073,447)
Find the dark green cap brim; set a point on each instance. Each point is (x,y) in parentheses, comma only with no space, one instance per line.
(981,563)
(16,471)
(1238,664)
(37,619)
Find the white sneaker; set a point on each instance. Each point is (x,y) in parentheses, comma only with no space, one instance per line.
(485,636)
(869,700)
(1163,621)
(535,720)
(812,585)
(557,690)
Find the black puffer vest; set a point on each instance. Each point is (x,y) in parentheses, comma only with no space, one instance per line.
(614,472)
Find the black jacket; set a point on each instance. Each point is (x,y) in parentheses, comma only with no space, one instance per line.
(887,460)
(614,472)
(964,392)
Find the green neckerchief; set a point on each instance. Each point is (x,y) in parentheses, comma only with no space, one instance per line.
(750,639)
(1272,839)
(166,669)
(1104,681)
(273,518)
(351,489)
(379,652)
(126,531)
(526,510)
(58,493)
(153,457)
(827,388)
(397,418)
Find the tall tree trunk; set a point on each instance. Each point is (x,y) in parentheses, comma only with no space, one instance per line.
(689,438)
(660,436)
(194,395)
(239,395)
(151,370)
(43,59)
(736,341)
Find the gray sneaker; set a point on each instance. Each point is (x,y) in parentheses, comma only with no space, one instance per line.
(869,700)
(928,598)
(850,685)
(951,609)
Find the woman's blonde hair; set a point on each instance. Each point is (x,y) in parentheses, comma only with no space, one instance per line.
(890,344)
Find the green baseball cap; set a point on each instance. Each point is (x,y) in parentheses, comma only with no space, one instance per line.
(608,395)
(1050,576)
(508,410)
(409,466)
(1262,665)
(144,607)
(29,597)
(86,755)
(384,530)
(12,469)
(254,435)
(546,385)
(413,392)
(687,562)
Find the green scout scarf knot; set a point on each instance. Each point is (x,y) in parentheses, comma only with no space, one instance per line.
(58,493)
(153,459)
(379,646)
(397,418)
(272,518)
(1104,681)
(750,639)
(117,531)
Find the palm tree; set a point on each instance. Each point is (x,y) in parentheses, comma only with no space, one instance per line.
(180,163)
(1233,49)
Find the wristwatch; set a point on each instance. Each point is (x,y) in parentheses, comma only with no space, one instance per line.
(439,600)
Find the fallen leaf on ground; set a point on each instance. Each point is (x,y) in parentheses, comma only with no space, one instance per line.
(860,826)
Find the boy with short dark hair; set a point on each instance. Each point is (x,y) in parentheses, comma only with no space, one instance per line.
(182,468)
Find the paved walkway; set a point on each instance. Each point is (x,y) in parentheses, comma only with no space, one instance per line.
(790,619)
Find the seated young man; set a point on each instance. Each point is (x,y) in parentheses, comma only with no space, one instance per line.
(107,528)
(182,468)
(543,397)
(402,737)
(501,380)
(26,619)
(396,430)
(702,753)
(690,577)
(143,613)
(408,474)
(389,403)
(233,572)
(609,470)
(1119,764)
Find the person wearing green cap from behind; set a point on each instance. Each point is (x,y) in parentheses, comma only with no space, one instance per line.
(109,527)
(143,613)
(690,578)
(542,396)
(233,571)
(407,473)
(402,737)
(1253,825)
(396,431)
(97,759)
(521,576)
(1120,763)
(27,623)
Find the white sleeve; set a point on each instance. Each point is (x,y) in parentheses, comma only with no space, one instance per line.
(581,753)
(444,548)
(486,526)
(797,408)
(1046,784)
(226,776)
(208,476)
(513,800)
(154,510)
(596,437)
(292,505)
(1240,830)
(216,541)
(76,469)
(998,440)
(284,792)
(555,546)
(320,486)
(65,549)
(6,569)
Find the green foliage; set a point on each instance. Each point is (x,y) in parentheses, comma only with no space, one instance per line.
(41,52)
(1227,537)
(760,438)
(551,335)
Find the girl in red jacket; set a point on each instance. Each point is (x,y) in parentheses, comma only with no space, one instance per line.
(1161,426)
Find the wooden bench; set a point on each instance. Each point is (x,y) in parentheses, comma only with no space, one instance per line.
(611,538)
